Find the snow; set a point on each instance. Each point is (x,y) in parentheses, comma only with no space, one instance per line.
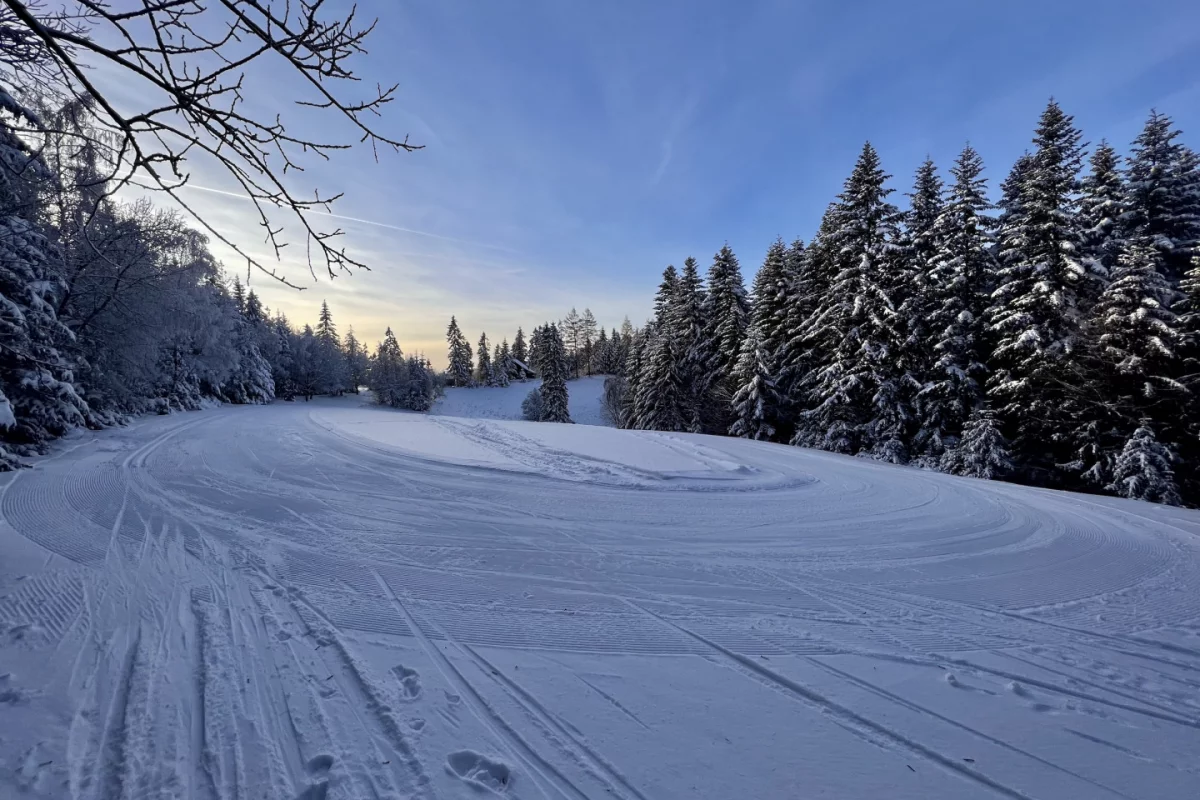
(504,402)
(327,599)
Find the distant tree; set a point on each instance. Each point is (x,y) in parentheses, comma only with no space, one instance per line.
(982,452)
(519,352)
(484,374)
(459,355)
(357,362)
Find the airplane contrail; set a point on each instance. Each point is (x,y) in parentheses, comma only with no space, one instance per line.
(363,221)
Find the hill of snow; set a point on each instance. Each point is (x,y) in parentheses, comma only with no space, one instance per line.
(494,402)
(331,600)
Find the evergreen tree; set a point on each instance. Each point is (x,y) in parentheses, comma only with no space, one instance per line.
(687,324)
(853,394)
(518,349)
(760,358)
(912,287)
(484,374)
(282,365)
(1188,322)
(388,375)
(330,360)
(959,278)
(667,291)
(500,365)
(1034,316)
(1163,195)
(634,370)
(357,362)
(253,309)
(982,452)
(1136,331)
(555,407)
(756,402)
(459,355)
(1101,210)
(660,406)
(587,339)
(1143,471)
(727,312)
(306,374)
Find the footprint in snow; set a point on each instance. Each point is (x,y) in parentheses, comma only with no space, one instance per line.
(479,771)
(452,698)
(318,769)
(410,681)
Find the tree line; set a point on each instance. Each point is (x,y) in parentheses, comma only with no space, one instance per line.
(110,309)
(1051,338)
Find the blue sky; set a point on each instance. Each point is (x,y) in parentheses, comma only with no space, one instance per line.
(574,149)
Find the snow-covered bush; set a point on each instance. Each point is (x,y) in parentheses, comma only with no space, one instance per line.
(531,406)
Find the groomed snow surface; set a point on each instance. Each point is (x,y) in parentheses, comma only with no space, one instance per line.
(328,600)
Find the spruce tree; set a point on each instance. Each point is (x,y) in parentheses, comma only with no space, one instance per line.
(1136,332)
(388,376)
(982,452)
(1034,315)
(912,289)
(687,325)
(759,362)
(357,362)
(635,367)
(459,355)
(519,352)
(555,406)
(957,284)
(853,395)
(1188,323)
(661,401)
(727,312)
(1101,210)
(1143,471)
(330,360)
(667,290)
(484,374)
(756,402)
(1163,195)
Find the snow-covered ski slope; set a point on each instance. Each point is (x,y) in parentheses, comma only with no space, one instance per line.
(327,600)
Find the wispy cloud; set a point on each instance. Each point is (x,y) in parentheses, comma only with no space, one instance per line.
(360,220)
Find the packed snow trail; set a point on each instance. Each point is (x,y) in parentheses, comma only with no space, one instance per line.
(328,600)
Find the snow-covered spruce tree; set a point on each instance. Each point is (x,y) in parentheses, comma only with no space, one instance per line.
(1136,330)
(1188,310)
(519,352)
(1101,210)
(500,364)
(602,354)
(38,397)
(635,365)
(911,282)
(555,406)
(422,388)
(850,393)
(388,376)
(250,379)
(959,277)
(306,374)
(282,365)
(758,409)
(1034,316)
(667,291)
(1143,470)
(1162,195)
(756,403)
(587,341)
(357,362)
(727,313)
(331,361)
(459,356)
(661,402)
(484,375)
(687,325)
(982,452)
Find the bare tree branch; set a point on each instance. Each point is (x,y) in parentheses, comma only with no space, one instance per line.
(191,69)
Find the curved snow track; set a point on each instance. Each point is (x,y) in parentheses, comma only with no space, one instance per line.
(318,600)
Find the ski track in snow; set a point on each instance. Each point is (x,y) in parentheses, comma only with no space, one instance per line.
(322,600)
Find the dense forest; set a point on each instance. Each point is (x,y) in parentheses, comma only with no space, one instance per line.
(1050,338)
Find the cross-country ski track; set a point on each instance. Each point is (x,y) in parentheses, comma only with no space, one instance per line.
(328,600)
